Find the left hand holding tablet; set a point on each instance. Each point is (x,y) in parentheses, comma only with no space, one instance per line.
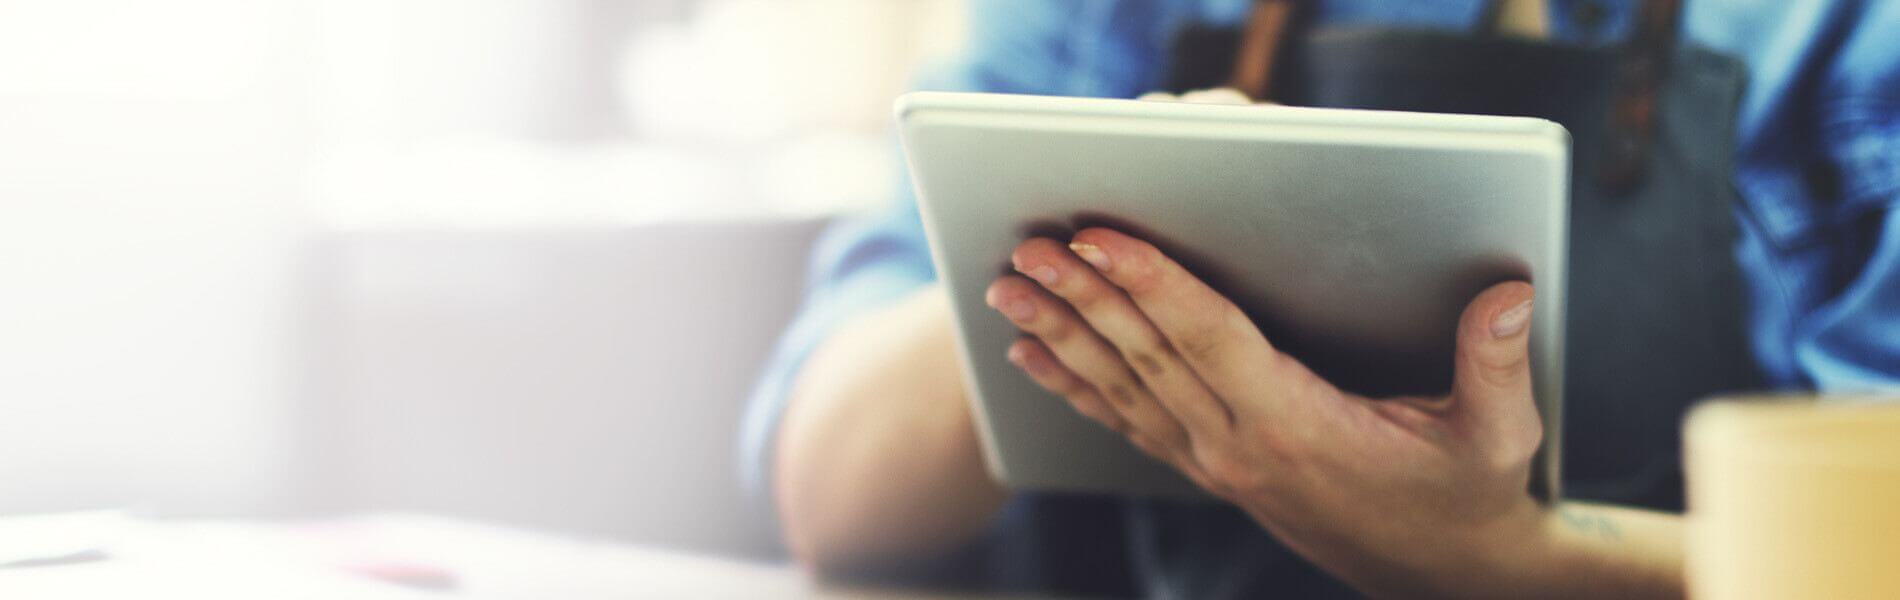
(1401,495)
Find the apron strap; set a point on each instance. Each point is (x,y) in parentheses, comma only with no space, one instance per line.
(1642,64)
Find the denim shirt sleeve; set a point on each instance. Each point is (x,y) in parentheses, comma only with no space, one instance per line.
(1050,47)
(1818,171)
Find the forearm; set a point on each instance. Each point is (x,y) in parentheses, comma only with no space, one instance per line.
(1580,550)
(1603,551)
(877,455)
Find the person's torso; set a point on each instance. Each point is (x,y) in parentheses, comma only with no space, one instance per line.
(1656,319)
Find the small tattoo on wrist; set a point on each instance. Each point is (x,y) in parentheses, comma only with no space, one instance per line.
(1598,525)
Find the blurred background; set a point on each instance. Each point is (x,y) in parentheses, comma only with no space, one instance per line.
(513,260)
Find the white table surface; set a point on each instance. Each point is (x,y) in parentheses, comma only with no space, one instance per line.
(372,557)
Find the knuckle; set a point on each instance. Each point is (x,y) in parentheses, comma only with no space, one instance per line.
(1205,342)
(1515,450)
(1200,346)
(1525,444)
(1147,352)
(1052,328)
(1144,362)
(1504,461)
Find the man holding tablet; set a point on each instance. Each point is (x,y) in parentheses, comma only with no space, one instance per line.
(1715,245)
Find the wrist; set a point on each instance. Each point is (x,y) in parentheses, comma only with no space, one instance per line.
(1500,558)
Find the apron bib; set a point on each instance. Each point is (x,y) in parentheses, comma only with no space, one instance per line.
(1656,319)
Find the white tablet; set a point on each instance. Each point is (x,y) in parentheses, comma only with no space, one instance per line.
(1353,238)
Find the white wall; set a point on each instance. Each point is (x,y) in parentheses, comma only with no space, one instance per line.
(148,243)
(585,380)
(186,326)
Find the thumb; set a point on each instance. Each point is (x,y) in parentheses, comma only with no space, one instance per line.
(1492,373)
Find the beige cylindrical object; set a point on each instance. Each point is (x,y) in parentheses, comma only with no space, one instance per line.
(1794,499)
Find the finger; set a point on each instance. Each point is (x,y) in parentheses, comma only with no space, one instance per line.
(1212,335)
(1085,353)
(1493,361)
(1110,312)
(1036,360)
(1042,366)
(1491,381)
(1219,95)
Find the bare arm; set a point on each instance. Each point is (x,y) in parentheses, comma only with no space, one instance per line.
(877,455)
(1569,550)
(1572,550)
(1603,551)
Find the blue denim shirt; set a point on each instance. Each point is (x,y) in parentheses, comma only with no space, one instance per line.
(1817,164)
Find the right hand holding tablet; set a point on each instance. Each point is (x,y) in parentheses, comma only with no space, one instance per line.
(1398,494)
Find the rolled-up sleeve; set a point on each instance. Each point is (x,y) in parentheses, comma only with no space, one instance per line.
(858,265)
(1050,47)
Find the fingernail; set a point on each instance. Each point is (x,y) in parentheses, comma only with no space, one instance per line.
(1092,254)
(1045,275)
(1021,360)
(1015,356)
(1512,321)
(1017,309)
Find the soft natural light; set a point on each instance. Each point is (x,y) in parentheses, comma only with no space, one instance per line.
(729,109)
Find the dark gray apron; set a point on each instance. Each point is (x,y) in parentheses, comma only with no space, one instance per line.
(1656,314)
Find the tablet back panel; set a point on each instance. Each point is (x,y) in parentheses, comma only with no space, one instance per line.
(1353,238)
